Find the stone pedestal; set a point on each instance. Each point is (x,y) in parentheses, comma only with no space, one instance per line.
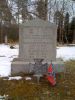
(20,66)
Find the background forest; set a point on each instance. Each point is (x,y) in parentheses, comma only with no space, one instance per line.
(15,12)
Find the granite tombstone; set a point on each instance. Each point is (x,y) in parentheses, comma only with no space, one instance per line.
(37,42)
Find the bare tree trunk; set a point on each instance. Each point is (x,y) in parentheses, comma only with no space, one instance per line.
(6,39)
(73,8)
(1,32)
(46,9)
(74,36)
(50,12)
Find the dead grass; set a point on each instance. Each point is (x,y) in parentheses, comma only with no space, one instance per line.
(30,90)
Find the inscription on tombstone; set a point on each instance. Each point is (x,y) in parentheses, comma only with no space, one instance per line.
(38,40)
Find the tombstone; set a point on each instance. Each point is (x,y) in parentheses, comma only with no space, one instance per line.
(37,41)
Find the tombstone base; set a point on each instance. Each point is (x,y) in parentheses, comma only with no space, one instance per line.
(20,66)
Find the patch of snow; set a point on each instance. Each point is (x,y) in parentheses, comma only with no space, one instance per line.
(3,97)
(16,46)
(71,44)
(28,78)
(66,53)
(6,56)
(15,78)
(5,69)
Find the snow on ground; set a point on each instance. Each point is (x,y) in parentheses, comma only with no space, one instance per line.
(66,53)
(18,78)
(15,78)
(7,55)
(28,78)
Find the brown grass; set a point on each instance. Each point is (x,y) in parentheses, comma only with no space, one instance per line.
(30,90)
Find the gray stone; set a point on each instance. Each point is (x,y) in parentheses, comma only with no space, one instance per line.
(37,43)
(39,67)
(37,40)
(21,66)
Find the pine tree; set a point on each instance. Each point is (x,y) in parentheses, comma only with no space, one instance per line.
(72,29)
(58,19)
(66,27)
(5,19)
(42,9)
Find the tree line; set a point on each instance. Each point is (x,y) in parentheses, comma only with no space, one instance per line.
(15,12)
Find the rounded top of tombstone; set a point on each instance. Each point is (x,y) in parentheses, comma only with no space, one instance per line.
(38,23)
